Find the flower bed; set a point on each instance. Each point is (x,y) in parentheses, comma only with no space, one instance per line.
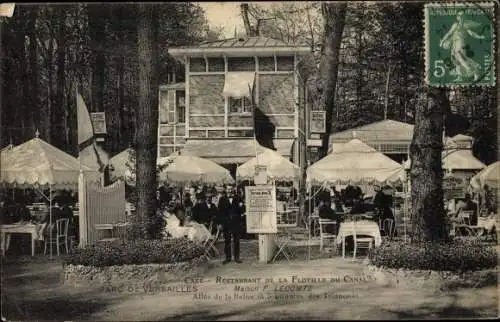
(120,264)
(434,266)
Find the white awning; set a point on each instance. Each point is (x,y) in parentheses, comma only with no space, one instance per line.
(238,84)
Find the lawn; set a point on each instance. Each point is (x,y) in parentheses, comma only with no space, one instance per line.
(32,289)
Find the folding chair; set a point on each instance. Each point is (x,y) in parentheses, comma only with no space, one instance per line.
(210,244)
(362,243)
(323,235)
(285,219)
(283,239)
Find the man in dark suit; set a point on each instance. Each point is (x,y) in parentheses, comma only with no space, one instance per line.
(205,211)
(229,219)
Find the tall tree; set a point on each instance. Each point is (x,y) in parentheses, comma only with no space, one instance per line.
(98,17)
(146,116)
(428,215)
(334,20)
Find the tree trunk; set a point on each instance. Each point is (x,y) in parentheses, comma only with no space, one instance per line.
(34,113)
(334,20)
(250,31)
(97,26)
(428,215)
(48,115)
(386,98)
(61,81)
(146,132)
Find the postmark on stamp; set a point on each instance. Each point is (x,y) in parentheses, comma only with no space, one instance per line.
(460,44)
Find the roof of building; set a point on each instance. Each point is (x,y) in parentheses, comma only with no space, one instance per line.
(382,131)
(245,42)
(243,45)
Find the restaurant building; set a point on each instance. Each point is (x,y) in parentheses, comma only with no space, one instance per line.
(234,89)
(392,138)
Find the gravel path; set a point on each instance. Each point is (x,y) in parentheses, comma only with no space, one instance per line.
(33,290)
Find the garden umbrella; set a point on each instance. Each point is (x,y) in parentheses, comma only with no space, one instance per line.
(38,164)
(488,176)
(187,169)
(278,167)
(355,163)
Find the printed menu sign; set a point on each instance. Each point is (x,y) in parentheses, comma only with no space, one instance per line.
(98,122)
(261,209)
(318,121)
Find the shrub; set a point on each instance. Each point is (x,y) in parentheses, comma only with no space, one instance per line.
(136,252)
(456,256)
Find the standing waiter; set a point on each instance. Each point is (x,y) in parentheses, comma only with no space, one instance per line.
(229,219)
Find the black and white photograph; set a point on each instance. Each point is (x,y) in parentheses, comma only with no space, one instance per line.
(273,160)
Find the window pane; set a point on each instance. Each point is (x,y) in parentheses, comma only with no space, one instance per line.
(241,64)
(286,134)
(180,130)
(181,107)
(247,105)
(239,133)
(165,151)
(166,130)
(166,140)
(216,133)
(197,133)
(163,110)
(266,64)
(285,63)
(234,105)
(197,65)
(171,117)
(216,65)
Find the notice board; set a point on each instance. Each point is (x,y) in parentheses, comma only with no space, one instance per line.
(318,122)
(98,122)
(261,209)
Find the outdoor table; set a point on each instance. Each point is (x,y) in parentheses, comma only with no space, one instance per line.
(363,228)
(20,228)
(487,223)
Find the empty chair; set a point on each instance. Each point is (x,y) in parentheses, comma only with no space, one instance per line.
(323,231)
(359,242)
(60,237)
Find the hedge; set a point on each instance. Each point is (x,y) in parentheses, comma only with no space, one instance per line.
(455,256)
(136,252)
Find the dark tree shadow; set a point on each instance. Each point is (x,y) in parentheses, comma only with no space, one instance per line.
(34,291)
(264,129)
(451,311)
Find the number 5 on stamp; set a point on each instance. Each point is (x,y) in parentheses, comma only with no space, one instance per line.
(460,44)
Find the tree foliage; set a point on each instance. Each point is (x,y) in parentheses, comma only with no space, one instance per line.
(381,68)
(49,50)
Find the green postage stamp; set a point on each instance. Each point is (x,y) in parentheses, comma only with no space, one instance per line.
(460,44)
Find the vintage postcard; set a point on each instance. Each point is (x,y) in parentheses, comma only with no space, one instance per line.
(307,160)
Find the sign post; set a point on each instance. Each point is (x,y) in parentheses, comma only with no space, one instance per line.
(261,213)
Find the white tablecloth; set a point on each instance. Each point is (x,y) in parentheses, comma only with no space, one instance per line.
(363,227)
(193,231)
(488,223)
(35,230)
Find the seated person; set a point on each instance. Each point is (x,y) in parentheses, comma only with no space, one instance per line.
(326,212)
(357,207)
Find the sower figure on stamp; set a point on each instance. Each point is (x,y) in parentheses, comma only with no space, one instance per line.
(229,220)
